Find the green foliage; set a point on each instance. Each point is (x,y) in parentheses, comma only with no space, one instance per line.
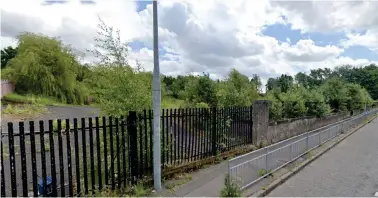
(293,103)
(139,190)
(283,83)
(117,86)
(201,89)
(30,99)
(315,103)
(230,188)
(236,90)
(44,66)
(366,76)
(7,54)
(335,93)
(120,89)
(256,81)
(45,71)
(168,102)
(24,110)
(275,107)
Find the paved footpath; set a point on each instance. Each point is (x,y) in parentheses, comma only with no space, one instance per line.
(209,182)
(349,169)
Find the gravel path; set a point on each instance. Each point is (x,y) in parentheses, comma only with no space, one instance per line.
(348,170)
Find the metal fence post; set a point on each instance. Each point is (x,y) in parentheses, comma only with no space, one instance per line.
(291,146)
(250,125)
(133,142)
(214,131)
(329,134)
(307,141)
(266,159)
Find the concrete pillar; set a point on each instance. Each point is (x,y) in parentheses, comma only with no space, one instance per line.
(260,118)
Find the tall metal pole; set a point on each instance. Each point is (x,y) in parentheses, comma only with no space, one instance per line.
(156,95)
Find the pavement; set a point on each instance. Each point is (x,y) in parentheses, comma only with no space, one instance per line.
(208,182)
(349,169)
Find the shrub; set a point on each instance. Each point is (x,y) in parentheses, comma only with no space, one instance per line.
(230,189)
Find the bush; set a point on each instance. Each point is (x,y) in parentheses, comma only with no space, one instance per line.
(230,189)
(315,103)
(293,103)
(275,107)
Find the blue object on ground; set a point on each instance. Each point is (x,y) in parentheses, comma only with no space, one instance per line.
(48,186)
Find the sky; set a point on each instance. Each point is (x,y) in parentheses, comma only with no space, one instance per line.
(267,38)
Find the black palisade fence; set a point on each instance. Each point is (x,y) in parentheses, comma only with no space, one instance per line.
(75,157)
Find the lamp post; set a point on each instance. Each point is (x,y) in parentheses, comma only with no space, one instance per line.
(156,95)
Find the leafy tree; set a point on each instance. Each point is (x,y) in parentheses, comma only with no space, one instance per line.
(117,86)
(45,66)
(271,84)
(7,54)
(236,90)
(284,82)
(365,76)
(315,103)
(293,103)
(335,93)
(201,89)
(303,80)
(318,76)
(275,106)
(256,81)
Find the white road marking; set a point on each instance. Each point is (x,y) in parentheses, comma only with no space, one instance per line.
(376,194)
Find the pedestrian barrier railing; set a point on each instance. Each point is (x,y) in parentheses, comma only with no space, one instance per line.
(250,168)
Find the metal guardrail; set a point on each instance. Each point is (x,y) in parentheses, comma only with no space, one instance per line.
(250,168)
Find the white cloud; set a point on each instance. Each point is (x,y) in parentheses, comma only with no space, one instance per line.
(204,36)
(335,16)
(369,39)
(306,50)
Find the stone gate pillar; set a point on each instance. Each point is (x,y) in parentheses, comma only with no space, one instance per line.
(260,118)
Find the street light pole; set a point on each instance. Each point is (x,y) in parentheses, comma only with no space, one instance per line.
(156,95)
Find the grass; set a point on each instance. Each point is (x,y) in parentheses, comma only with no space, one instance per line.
(138,190)
(26,109)
(309,155)
(169,102)
(30,99)
(261,172)
(179,180)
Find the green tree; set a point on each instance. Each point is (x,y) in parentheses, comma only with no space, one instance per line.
(271,84)
(293,103)
(7,54)
(201,89)
(315,103)
(118,87)
(256,81)
(275,106)
(365,76)
(45,66)
(303,80)
(284,83)
(335,93)
(236,90)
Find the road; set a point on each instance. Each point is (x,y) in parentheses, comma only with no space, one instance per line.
(348,170)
